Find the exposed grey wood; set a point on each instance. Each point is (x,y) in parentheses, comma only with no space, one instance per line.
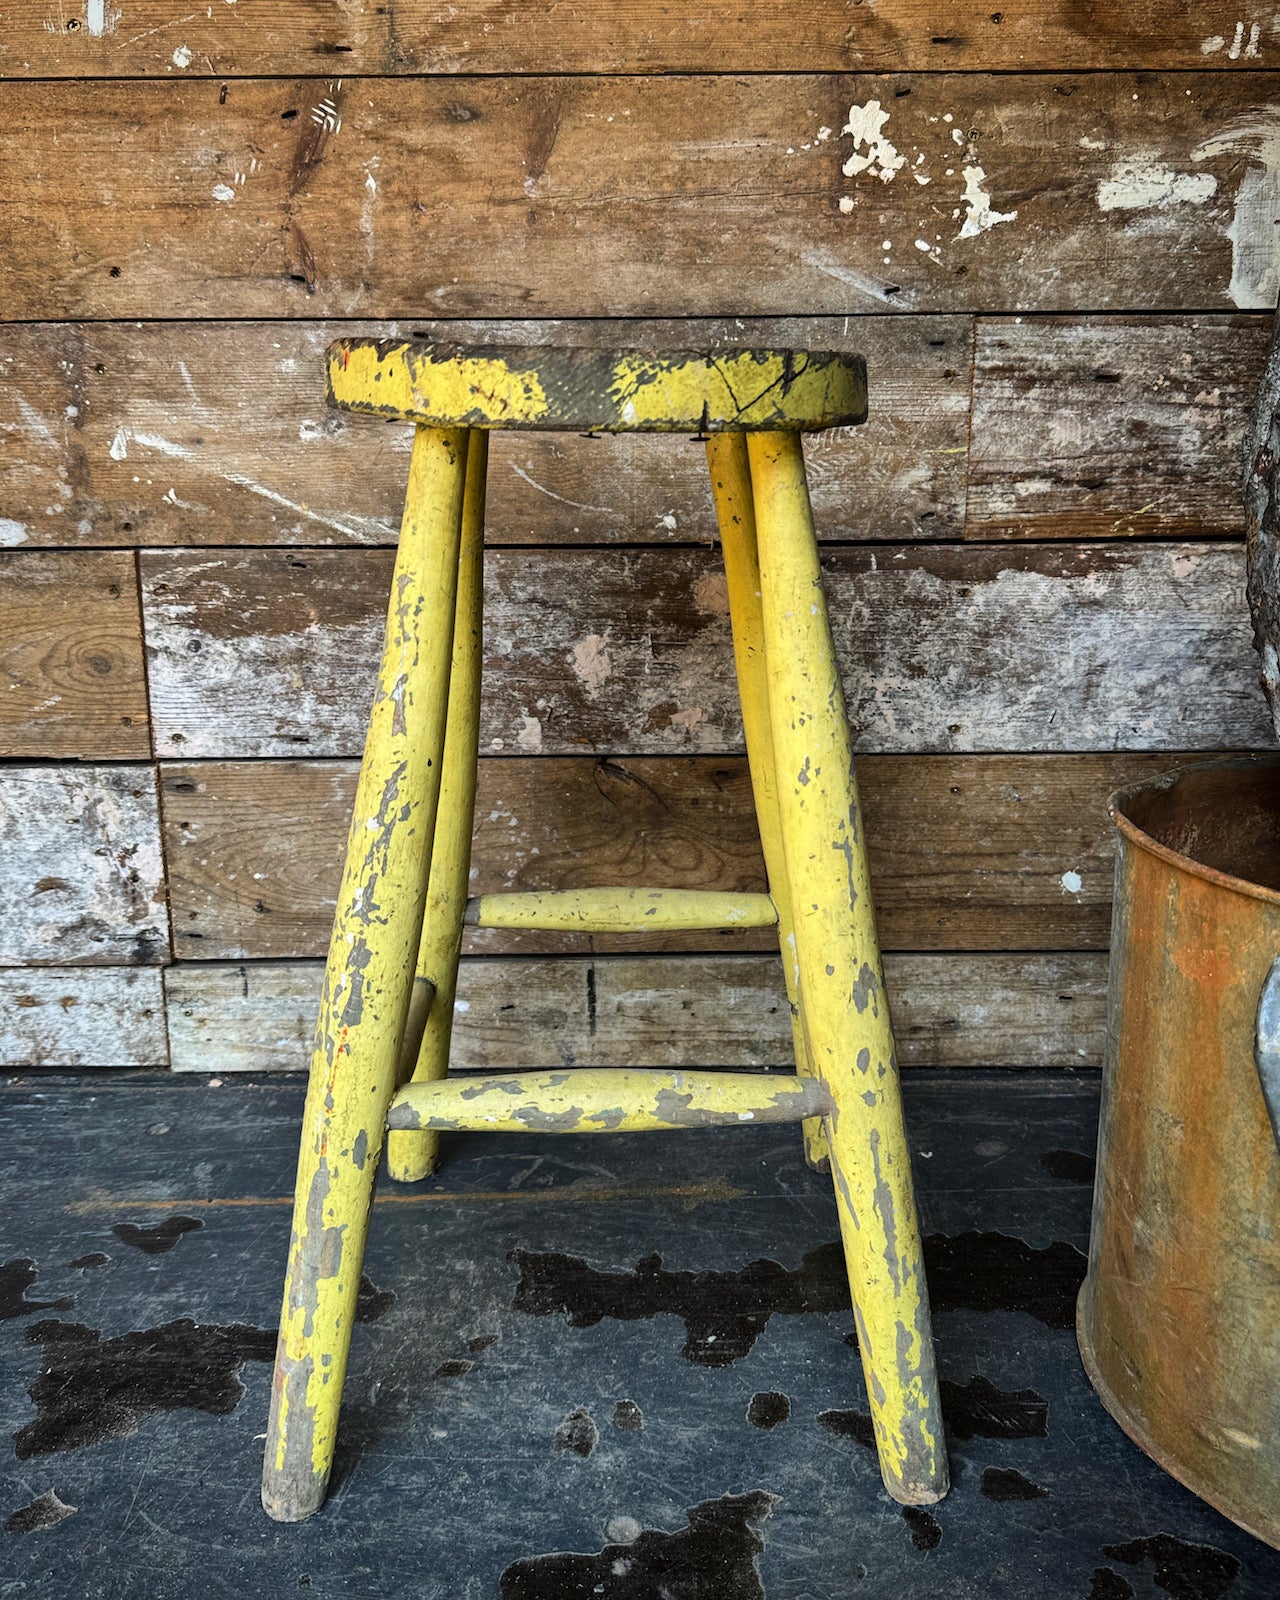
(218,433)
(1026,647)
(582,196)
(1109,428)
(967,853)
(728,1011)
(71,657)
(281,37)
(81,874)
(1260,457)
(82,1017)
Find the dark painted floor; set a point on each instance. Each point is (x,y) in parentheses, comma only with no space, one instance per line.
(589,1367)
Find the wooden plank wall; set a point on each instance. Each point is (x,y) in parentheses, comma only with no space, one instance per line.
(1051,230)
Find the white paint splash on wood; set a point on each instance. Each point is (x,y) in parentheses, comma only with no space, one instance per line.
(1255,270)
(591,662)
(223,191)
(12,532)
(1072,882)
(979,216)
(98,20)
(530,734)
(866,127)
(181,56)
(1139,184)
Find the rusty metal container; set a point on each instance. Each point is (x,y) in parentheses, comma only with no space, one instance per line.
(1179,1317)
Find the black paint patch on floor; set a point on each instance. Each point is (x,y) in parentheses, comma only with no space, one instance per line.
(90,1390)
(159,1239)
(1003,1484)
(16,1277)
(628,1417)
(578,1433)
(925,1532)
(1072,1166)
(45,1511)
(95,1258)
(1109,1585)
(767,1408)
(372,1303)
(724,1313)
(1185,1571)
(714,1558)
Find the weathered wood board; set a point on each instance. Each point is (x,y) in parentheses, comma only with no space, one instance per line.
(1097,428)
(285,37)
(218,433)
(602,196)
(71,657)
(724,1011)
(967,853)
(81,873)
(82,1017)
(960,648)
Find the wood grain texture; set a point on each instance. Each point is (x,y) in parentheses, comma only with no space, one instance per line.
(1000,648)
(284,37)
(71,657)
(967,853)
(594,196)
(723,1011)
(1110,428)
(82,1017)
(81,874)
(218,433)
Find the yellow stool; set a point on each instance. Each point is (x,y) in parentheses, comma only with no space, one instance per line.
(382,1038)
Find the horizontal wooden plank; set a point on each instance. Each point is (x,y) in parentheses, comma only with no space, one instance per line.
(961,648)
(217,433)
(71,657)
(1104,428)
(82,1017)
(81,874)
(723,1011)
(283,37)
(967,852)
(604,196)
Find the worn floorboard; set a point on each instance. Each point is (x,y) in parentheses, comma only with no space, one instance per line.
(684,1423)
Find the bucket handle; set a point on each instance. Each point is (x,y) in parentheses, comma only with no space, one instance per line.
(1266,1045)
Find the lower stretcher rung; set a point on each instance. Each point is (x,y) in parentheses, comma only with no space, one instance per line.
(622,910)
(606,1100)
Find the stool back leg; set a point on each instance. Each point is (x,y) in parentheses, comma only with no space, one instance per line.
(412,1155)
(735,512)
(843,1003)
(367,981)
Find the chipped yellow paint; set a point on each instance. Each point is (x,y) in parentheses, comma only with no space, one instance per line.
(584,389)
(622,910)
(843,1004)
(753,388)
(367,980)
(731,486)
(413,382)
(425,1050)
(606,1100)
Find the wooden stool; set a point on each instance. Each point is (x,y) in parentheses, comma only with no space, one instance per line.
(403,901)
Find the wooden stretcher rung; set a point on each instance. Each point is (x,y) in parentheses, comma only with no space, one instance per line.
(606,1100)
(622,910)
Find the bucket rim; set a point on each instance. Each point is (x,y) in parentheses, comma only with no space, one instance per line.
(1142,840)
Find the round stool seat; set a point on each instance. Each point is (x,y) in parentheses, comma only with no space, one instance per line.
(576,390)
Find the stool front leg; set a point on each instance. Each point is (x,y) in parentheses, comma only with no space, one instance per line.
(367,981)
(843,1003)
(412,1155)
(735,513)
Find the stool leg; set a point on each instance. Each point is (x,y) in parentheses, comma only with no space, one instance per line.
(412,1154)
(843,1005)
(366,985)
(731,485)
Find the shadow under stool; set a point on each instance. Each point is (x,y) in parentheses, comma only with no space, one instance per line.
(379,1072)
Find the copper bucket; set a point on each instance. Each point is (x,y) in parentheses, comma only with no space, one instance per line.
(1179,1317)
